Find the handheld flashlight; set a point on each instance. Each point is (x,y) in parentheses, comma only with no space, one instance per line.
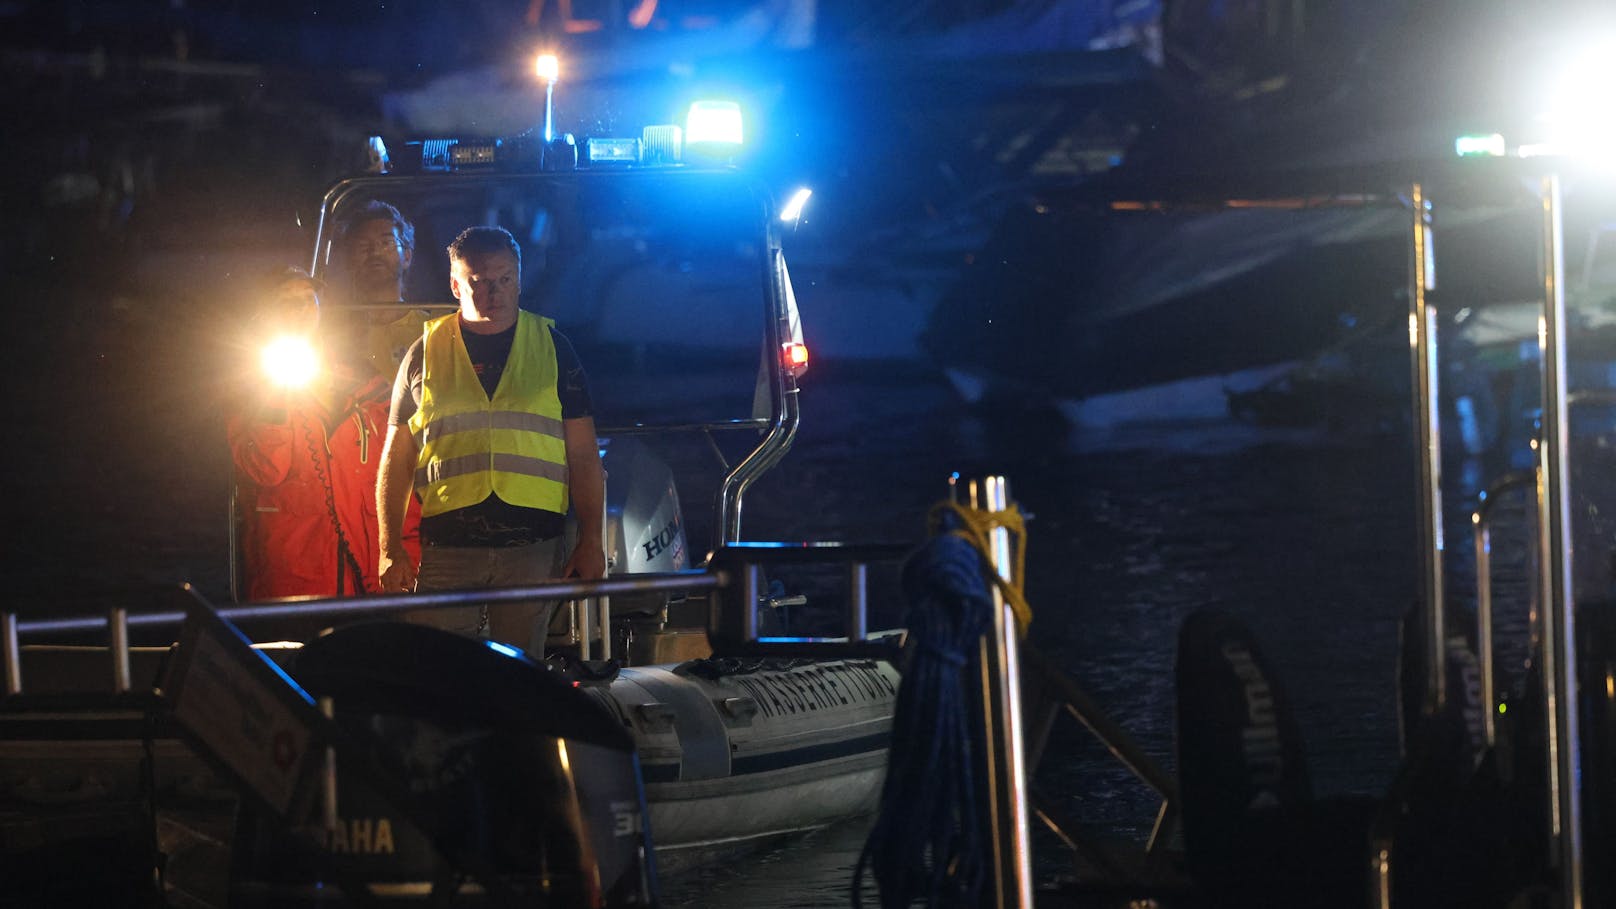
(289,361)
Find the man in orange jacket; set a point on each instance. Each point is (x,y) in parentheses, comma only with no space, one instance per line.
(306,450)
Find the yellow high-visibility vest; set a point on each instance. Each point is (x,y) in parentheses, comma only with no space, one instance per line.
(471,445)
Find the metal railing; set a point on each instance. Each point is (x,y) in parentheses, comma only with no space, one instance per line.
(733,621)
(1481,523)
(118,622)
(1076,703)
(735,574)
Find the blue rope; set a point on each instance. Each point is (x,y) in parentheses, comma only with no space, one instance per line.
(927,843)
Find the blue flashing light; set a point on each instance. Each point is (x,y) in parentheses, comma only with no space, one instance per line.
(793,208)
(716,122)
(506,649)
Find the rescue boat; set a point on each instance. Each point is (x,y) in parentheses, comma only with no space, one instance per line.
(734,739)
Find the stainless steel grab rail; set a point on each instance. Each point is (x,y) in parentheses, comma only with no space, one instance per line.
(13,630)
(1481,523)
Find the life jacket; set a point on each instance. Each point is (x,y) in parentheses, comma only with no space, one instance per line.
(471,446)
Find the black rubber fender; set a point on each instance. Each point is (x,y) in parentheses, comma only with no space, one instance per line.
(1460,729)
(1243,778)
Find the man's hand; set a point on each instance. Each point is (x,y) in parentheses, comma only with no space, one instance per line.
(587,562)
(396,572)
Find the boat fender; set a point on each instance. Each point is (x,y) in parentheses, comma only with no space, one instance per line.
(1243,780)
(1460,734)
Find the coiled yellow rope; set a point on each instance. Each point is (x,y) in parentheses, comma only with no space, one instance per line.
(976,527)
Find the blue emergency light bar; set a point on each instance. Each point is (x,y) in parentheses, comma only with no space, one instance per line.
(612,151)
(713,122)
(712,135)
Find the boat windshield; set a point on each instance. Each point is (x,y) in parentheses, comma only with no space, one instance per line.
(660,280)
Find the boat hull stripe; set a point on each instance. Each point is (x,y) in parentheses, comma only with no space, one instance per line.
(780,760)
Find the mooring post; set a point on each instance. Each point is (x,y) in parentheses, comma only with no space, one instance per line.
(1001,687)
(118,623)
(328,776)
(8,631)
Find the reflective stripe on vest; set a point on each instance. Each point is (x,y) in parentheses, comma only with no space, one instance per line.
(471,446)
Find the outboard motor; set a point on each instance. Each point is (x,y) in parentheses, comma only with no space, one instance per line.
(645,533)
(524,789)
(645,529)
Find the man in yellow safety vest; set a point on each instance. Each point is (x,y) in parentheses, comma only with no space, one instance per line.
(492,427)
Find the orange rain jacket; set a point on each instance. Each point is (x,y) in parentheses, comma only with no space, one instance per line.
(286,462)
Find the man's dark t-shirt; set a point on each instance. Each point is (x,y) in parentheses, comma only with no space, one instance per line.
(493,521)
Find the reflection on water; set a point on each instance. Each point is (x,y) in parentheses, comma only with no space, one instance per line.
(814,871)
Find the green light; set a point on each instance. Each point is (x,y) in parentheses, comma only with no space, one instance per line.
(1503,708)
(1479,146)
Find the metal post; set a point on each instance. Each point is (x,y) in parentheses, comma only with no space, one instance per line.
(1482,522)
(118,623)
(1001,681)
(13,650)
(858,623)
(604,602)
(1554,541)
(549,110)
(751,585)
(328,776)
(1484,623)
(1422,343)
(572,622)
(585,620)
